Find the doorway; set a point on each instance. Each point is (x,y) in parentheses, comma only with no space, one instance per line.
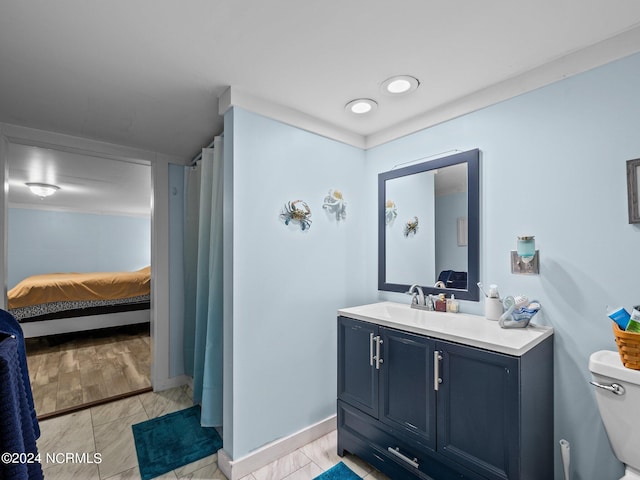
(94,218)
(158,167)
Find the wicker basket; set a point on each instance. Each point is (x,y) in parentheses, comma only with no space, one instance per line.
(628,347)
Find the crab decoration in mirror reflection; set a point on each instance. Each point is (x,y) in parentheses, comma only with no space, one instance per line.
(411,227)
(334,203)
(390,212)
(297,212)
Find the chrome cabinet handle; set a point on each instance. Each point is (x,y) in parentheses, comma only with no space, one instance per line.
(378,359)
(613,388)
(404,458)
(436,370)
(371,358)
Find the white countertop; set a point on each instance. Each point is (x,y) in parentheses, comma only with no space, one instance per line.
(462,328)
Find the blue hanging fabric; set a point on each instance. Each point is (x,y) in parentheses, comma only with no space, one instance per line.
(207,345)
(18,422)
(10,326)
(190,260)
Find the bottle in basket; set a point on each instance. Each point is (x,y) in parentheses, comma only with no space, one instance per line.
(634,321)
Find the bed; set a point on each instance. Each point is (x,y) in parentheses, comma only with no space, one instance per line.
(56,303)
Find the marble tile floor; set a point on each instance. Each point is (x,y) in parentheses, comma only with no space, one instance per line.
(106,429)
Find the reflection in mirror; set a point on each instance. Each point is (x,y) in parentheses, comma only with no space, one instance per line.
(428,232)
(412,255)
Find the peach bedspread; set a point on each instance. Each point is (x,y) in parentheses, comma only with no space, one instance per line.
(60,287)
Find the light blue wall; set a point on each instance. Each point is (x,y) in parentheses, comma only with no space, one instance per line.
(413,197)
(43,241)
(553,164)
(228,384)
(287,284)
(450,255)
(176,270)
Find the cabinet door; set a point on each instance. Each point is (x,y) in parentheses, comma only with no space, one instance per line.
(357,374)
(407,395)
(478,412)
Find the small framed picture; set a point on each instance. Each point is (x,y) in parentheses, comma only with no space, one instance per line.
(633,189)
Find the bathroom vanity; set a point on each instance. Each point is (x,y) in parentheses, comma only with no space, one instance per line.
(443,395)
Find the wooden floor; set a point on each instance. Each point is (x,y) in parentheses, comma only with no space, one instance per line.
(72,370)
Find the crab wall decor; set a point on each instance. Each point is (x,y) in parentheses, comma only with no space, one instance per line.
(390,212)
(334,203)
(411,227)
(297,211)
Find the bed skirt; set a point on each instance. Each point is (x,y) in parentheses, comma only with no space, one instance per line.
(56,310)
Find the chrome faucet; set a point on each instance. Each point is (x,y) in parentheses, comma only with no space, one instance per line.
(417,296)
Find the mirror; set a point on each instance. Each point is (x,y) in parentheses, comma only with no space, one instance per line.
(428,226)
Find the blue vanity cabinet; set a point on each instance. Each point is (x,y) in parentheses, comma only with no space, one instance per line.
(478,410)
(357,377)
(419,407)
(394,389)
(406,394)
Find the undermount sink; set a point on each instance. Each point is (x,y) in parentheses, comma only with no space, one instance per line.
(401,313)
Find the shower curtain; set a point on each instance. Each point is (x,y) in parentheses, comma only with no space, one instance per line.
(203,282)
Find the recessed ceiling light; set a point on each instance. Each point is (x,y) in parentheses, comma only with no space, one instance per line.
(42,189)
(400,84)
(361,106)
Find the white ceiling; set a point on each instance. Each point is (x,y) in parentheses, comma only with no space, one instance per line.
(148,73)
(87,184)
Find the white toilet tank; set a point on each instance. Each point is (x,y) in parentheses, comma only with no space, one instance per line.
(620,413)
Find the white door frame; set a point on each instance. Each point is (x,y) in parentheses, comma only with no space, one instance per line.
(159,225)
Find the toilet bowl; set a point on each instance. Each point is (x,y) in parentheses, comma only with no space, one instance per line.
(617,390)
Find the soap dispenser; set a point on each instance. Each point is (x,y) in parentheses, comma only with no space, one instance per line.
(441,303)
(493,306)
(452,304)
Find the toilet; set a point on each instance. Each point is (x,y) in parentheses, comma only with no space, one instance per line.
(618,407)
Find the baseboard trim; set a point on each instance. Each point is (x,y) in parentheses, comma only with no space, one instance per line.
(237,469)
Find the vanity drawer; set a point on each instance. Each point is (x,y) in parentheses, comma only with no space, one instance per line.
(377,458)
(392,447)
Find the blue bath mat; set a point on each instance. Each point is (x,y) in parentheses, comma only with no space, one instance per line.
(338,472)
(171,441)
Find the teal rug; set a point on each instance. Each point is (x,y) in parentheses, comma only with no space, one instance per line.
(338,472)
(171,441)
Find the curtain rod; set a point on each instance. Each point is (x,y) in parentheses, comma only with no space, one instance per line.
(199,156)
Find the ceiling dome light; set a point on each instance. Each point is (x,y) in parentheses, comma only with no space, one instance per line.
(400,84)
(361,106)
(42,189)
